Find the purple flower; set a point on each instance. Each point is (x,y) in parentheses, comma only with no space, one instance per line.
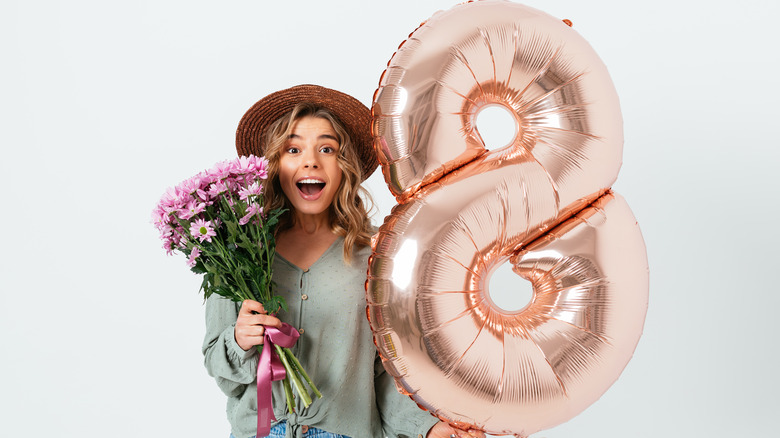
(193,255)
(253,189)
(168,245)
(190,186)
(220,170)
(193,207)
(202,194)
(261,167)
(251,211)
(159,217)
(166,230)
(205,192)
(202,230)
(243,165)
(173,200)
(217,188)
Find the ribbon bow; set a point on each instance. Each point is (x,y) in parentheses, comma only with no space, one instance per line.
(270,369)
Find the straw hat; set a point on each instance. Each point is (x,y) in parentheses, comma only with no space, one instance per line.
(356,118)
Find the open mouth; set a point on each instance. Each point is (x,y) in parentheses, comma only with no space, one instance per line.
(310,187)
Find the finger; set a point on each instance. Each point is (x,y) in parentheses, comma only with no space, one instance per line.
(247,342)
(260,319)
(249,306)
(271,321)
(254,339)
(252,319)
(252,306)
(250,330)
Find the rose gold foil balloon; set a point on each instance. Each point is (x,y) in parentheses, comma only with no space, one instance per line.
(542,203)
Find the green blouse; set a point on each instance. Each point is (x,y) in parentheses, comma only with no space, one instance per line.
(328,307)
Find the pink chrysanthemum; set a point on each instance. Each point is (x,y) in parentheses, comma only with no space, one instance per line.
(193,255)
(192,208)
(159,217)
(202,194)
(251,166)
(261,167)
(190,186)
(202,230)
(251,211)
(220,170)
(253,189)
(217,188)
(166,230)
(243,165)
(177,238)
(168,246)
(173,201)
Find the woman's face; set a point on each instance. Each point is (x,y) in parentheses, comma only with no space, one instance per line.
(309,172)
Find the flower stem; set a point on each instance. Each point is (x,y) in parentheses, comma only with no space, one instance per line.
(288,394)
(296,381)
(300,369)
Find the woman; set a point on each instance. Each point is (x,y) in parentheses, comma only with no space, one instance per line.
(318,144)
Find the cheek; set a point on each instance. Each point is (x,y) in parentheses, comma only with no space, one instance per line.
(286,176)
(337,177)
(287,190)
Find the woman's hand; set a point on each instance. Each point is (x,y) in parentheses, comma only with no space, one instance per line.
(250,324)
(444,430)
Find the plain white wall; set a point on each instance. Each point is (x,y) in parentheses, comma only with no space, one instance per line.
(105,104)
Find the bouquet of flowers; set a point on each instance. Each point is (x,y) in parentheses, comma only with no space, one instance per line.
(216,220)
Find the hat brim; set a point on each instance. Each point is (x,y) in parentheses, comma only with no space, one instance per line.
(353,115)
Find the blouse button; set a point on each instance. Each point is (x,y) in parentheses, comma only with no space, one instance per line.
(304,428)
(300,330)
(304,297)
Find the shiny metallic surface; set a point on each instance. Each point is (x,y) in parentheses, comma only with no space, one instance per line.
(542,203)
(473,364)
(497,53)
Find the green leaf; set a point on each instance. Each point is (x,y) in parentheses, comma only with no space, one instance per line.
(199,268)
(204,286)
(274,303)
(223,291)
(232,227)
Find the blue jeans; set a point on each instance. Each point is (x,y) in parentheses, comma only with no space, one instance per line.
(280,429)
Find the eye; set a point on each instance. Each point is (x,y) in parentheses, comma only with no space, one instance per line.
(328,150)
(292,150)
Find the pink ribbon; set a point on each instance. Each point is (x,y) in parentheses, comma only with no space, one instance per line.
(270,369)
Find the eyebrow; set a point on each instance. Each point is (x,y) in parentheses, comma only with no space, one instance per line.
(321,137)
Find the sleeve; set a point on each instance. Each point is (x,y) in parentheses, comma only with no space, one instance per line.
(401,417)
(231,366)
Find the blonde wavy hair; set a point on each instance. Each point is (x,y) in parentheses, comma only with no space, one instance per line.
(351,204)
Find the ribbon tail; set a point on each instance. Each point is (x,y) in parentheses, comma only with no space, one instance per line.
(265,410)
(269,369)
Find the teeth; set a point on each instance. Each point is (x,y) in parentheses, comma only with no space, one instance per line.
(309,181)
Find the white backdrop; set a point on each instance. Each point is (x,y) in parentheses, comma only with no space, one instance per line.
(105,104)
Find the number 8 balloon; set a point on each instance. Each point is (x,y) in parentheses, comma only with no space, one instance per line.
(542,203)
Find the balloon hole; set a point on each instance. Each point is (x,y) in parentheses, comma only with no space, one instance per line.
(508,291)
(496,126)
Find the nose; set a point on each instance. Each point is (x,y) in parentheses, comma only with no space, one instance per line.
(310,159)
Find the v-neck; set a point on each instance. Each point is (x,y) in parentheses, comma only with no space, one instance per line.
(339,240)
